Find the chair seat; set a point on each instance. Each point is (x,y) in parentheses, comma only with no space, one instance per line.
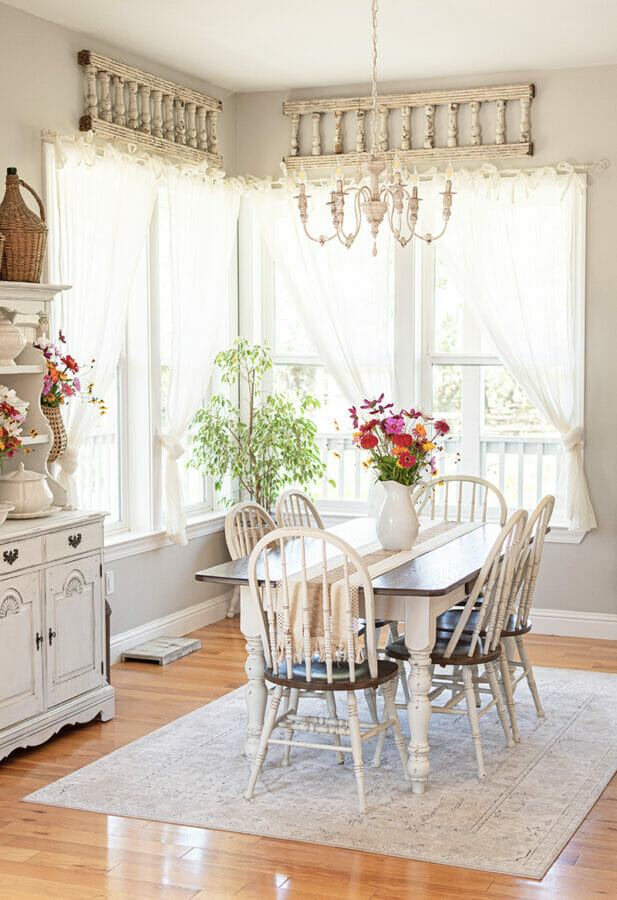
(379,623)
(386,669)
(447,622)
(398,650)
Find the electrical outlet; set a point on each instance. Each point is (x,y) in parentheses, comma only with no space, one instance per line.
(109,582)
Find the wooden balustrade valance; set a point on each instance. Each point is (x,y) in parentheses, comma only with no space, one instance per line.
(352,123)
(131,105)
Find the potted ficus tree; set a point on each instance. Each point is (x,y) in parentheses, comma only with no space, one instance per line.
(265,443)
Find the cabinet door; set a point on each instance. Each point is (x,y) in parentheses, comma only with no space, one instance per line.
(21,655)
(73,622)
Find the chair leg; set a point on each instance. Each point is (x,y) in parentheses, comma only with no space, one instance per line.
(507,689)
(266,733)
(356,746)
(503,716)
(531,681)
(391,713)
(472,712)
(292,707)
(370,695)
(340,757)
(476,690)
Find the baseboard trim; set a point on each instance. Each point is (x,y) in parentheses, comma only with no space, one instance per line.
(570,623)
(174,625)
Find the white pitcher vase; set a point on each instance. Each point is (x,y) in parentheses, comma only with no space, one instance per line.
(397,521)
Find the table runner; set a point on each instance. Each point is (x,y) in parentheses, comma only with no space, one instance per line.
(290,632)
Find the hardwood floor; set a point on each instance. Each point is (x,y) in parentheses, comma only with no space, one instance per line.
(47,852)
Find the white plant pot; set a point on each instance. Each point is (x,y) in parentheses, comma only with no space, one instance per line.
(397,522)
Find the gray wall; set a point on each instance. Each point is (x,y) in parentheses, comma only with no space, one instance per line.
(572,119)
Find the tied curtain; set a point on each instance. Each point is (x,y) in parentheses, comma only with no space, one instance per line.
(99,210)
(100,206)
(515,248)
(202,216)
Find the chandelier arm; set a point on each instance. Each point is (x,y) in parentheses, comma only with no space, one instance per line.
(322,239)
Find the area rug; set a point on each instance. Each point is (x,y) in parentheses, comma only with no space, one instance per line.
(516,821)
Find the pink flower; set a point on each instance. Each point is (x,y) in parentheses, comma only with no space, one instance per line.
(77,384)
(394,425)
(441,426)
(406,460)
(353,412)
(433,465)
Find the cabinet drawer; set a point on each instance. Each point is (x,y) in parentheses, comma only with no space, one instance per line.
(16,555)
(73,541)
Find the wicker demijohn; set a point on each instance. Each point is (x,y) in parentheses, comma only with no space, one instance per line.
(54,417)
(24,232)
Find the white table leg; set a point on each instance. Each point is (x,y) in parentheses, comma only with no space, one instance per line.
(419,639)
(255,692)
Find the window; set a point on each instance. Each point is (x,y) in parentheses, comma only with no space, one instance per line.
(495,428)
(121,462)
(452,371)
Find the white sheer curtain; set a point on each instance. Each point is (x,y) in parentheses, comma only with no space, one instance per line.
(202,233)
(516,249)
(344,297)
(99,207)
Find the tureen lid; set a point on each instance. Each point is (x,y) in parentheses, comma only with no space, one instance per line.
(22,474)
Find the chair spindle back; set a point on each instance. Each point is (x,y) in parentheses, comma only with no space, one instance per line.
(245,525)
(306,572)
(459,498)
(492,589)
(529,562)
(294,507)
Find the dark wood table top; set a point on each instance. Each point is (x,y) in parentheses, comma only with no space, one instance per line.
(434,573)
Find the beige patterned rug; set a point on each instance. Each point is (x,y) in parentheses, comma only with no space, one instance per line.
(515,822)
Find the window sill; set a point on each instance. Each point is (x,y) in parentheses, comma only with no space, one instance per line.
(130,543)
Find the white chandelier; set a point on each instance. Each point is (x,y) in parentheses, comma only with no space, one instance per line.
(391,198)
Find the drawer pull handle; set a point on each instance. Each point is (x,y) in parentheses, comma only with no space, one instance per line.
(39,640)
(10,556)
(51,635)
(75,540)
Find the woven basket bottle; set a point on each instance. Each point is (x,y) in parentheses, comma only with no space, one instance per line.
(54,417)
(24,232)
(1,249)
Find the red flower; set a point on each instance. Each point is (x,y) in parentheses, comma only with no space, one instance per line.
(406,460)
(402,440)
(368,426)
(368,441)
(70,363)
(441,427)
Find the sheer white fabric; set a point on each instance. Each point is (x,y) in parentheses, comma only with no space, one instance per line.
(344,297)
(99,207)
(202,232)
(516,249)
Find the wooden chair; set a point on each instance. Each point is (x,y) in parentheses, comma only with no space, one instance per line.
(517,621)
(469,650)
(294,507)
(458,498)
(245,524)
(306,563)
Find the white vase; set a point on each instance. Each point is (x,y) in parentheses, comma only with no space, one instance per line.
(12,342)
(397,522)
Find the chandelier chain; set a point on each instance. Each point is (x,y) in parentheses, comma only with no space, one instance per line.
(374,86)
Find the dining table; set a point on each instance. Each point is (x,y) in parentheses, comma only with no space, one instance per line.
(414,593)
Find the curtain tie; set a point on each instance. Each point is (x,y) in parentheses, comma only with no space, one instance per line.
(172,444)
(573,440)
(69,460)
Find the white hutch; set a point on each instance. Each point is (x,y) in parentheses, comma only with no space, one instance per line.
(52,605)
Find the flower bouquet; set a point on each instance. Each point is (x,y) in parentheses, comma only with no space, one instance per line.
(402,448)
(12,417)
(63,381)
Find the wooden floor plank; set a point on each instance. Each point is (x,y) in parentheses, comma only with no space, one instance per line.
(65,854)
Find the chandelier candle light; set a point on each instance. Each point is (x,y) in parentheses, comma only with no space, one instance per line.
(375,200)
